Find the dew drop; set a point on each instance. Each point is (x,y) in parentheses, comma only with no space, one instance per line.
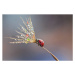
(28,25)
(18,36)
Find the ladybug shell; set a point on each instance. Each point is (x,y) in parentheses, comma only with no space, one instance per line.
(41,42)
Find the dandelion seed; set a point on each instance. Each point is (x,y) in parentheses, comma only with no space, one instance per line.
(29,36)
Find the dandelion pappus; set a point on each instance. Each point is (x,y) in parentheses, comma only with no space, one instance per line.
(27,35)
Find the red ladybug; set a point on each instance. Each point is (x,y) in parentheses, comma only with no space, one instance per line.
(40,42)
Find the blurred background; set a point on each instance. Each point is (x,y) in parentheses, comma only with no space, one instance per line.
(55,30)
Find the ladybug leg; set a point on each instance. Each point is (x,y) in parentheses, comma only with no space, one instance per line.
(37,42)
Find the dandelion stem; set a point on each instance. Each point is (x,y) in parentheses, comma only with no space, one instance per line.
(51,54)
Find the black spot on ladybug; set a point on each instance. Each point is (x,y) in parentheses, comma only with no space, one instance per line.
(39,42)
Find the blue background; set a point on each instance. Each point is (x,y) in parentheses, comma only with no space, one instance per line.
(55,30)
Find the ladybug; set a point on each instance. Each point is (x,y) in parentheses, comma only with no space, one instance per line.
(40,42)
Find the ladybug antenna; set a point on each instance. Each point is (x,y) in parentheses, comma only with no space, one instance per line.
(51,54)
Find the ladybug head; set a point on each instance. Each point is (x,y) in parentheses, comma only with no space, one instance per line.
(40,42)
